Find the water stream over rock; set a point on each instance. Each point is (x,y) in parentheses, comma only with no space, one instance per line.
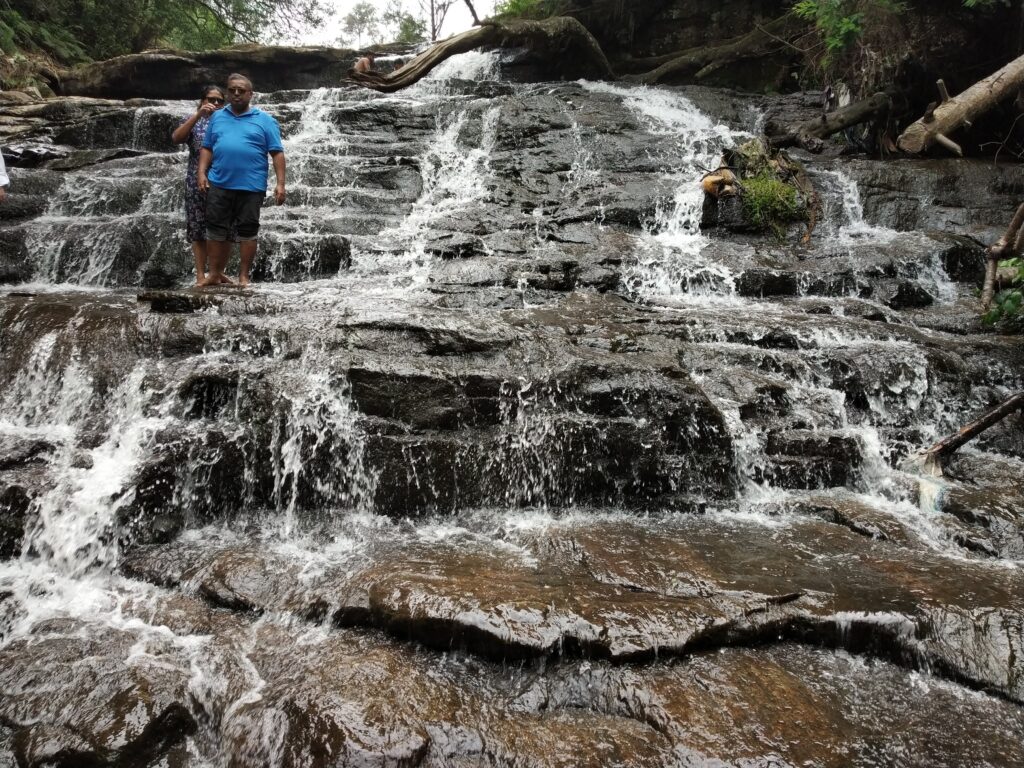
(506,460)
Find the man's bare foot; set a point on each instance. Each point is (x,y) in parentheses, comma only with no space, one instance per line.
(243,281)
(213,279)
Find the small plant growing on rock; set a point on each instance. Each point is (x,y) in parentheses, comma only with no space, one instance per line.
(773,190)
(772,204)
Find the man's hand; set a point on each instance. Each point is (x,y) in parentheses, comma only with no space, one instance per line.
(202,182)
(279,194)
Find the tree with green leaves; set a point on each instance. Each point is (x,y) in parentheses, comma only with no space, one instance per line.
(362,21)
(402,25)
(74,30)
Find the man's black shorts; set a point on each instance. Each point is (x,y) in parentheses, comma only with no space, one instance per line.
(232,208)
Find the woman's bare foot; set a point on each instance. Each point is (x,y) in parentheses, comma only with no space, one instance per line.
(243,281)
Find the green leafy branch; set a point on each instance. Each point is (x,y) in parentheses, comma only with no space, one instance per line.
(1006,305)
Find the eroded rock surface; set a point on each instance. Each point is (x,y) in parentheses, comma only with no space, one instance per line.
(502,461)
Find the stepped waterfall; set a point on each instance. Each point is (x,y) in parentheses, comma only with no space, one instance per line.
(506,459)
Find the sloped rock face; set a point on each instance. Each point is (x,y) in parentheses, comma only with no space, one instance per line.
(502,461)
(180,74)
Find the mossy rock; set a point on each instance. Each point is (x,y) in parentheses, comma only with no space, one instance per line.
(775,191)
(772,204)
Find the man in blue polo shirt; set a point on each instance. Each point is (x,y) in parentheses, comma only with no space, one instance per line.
(233,174)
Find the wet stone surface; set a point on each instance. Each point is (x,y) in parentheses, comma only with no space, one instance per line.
(502,461)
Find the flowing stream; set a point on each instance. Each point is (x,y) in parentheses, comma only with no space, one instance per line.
(502,445)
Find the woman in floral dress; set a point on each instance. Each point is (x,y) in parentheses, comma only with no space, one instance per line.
(191,131)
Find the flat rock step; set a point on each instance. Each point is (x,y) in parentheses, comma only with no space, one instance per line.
(133,694)
(628,591)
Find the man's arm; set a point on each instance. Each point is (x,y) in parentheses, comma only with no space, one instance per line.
(205,158)
(277,156)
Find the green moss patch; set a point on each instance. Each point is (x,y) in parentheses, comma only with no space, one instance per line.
(772,204)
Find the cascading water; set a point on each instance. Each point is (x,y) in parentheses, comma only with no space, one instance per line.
(676,263)
(482,425)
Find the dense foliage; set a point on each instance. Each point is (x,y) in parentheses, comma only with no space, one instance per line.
(841,22)
(365,24)
(71,30)
(525,9)
(1008,304)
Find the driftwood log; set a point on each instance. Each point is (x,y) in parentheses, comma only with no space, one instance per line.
(961,110)
(934,458)
(563,38)
(698,63)
(809,135)
(1009,245)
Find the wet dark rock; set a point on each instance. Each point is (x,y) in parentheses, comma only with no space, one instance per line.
(19,451)
(148,130)
(971,197)
(179,302)
(987,495)
(727,213)
(525,456)
(763,282)
(909,295)
(963,258)
(455,246)
(17,207)
(15,266)
(31,156)
(108,713)
(15,501)
(205,395)
(859,517)
(587,590)
(84,158)
(167,74)
(295,260)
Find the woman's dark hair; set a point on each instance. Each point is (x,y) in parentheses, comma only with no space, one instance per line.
(210,87)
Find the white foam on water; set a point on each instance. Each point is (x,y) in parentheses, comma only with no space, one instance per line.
(455,176)
(672,267)
(472,65)
(852,229)
(74,526)
(319,418)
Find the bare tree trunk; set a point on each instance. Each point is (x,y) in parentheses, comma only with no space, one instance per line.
(1008,246)
(562,37)
(809,135)
(697,63)
(472,12)
(952,113)
(934,458)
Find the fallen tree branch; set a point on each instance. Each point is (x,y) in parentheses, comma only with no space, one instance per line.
(934,458)
(564,38)
(809,135)
(701,61)
(1006,247)
(953,113)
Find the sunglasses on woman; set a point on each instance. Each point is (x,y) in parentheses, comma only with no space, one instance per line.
(214,100)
